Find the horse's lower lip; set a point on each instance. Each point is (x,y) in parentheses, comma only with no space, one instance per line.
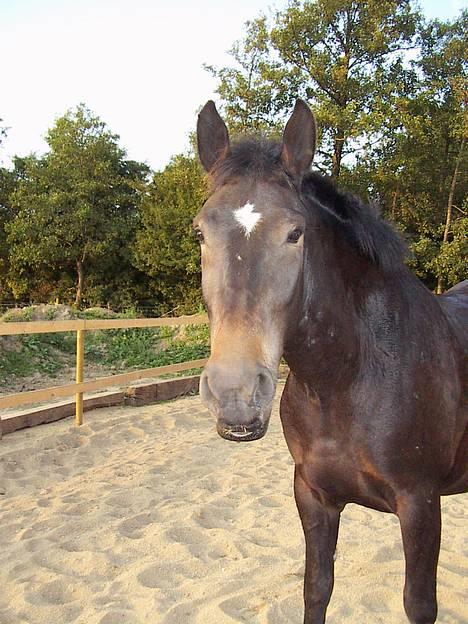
(241,434)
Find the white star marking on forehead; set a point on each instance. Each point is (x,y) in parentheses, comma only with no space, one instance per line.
(247,218)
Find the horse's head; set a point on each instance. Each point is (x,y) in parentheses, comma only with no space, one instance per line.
(251,231)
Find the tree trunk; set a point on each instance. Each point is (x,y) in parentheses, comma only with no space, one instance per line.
(448,220)
(79,286)
(395,193)
(338,145)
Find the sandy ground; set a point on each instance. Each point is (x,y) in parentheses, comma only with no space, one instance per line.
(144,515)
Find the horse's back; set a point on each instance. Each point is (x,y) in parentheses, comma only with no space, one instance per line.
(455,306)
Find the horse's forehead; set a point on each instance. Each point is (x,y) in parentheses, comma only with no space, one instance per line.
(248,207)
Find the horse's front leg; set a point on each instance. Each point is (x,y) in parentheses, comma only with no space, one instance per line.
(320,523)
(420,528)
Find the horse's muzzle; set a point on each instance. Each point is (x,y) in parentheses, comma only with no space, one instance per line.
(241,402)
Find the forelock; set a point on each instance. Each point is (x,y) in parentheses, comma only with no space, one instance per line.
(256,159)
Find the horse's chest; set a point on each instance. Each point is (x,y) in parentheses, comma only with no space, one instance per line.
(331,450)
(341,475)
(336,469)
(326,467)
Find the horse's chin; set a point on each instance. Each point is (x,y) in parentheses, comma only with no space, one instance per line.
(241,433)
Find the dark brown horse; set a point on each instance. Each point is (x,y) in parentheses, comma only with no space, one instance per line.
(373,410)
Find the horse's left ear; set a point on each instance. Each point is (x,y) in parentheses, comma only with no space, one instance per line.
(212,136)
(299,139)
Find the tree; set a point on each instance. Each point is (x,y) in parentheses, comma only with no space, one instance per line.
(401,119)
(7,186)
(445,68)
(6,182)
(343,56)
(253,92)
(165,248)
(76,207)
(418,172)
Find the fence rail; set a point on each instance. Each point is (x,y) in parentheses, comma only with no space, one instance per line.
(80,326)
(47,327)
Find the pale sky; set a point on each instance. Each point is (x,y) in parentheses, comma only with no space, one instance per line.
(137,64)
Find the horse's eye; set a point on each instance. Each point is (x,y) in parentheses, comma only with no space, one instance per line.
(295,235)
(198,234)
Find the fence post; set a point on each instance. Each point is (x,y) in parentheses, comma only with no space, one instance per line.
(79,375)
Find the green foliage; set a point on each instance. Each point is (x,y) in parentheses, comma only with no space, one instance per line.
(18,315)
(15,364)
(118,349)
(165,248)
(451,260)
(412,170)
(74,208)
(43,353)
(146,347)
(254,91)
(83,224)
(122,347)
(342,56)
(399,122)
(98,313)
(8,181)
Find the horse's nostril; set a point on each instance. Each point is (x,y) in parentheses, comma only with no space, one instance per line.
(262,380)
(265,384)
(205,390)
(220,390)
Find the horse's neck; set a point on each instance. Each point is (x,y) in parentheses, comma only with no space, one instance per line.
(345,306)
(326,346)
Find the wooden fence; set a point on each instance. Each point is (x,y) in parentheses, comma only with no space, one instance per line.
(81,327)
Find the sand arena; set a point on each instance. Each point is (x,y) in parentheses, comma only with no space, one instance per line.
(144,515)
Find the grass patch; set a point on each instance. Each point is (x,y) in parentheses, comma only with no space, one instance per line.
(147,347)
(117,349)
(36,353)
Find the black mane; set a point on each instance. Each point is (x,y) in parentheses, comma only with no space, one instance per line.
(359,223)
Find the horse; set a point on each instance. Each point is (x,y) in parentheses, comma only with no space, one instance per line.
(374,409)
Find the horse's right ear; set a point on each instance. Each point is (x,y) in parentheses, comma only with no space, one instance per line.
(212,136)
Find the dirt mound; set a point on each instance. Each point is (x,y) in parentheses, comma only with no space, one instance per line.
(99,313)
(41,312)
(44,312)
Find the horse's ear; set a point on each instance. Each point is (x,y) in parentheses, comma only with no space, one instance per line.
(299,139)
(212,136)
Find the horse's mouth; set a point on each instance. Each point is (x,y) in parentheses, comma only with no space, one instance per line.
(239,433)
